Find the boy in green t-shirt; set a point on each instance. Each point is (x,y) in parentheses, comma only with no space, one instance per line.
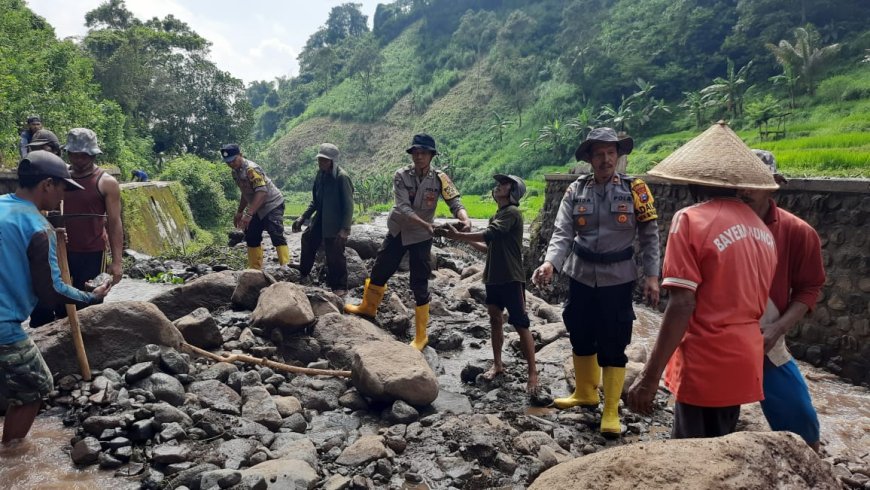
(503,274)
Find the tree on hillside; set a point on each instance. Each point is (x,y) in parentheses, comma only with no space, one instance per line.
(365,63)
(515,72)
(695,103)
(803,57)
(476,32)
(499,126)
(158,72)
(345,21)
(728,91)
(257,92)
(327,50)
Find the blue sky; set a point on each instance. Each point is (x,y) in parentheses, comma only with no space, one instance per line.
(254,40)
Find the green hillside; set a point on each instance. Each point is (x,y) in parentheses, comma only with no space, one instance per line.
(514,86)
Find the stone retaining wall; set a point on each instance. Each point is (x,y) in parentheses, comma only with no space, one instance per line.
(837,334)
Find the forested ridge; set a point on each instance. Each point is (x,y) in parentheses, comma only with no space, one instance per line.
(503,85)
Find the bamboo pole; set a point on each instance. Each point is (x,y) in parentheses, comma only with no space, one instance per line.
(265,362)
(71,312)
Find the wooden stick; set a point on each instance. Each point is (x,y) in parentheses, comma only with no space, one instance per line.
(265,362)
(71,312)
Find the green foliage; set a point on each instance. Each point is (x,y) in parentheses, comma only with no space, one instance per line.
(803,57)
(51,78)
(165,278)
(211,191)
(158,72)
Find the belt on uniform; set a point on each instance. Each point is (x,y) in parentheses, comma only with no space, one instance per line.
(605,258)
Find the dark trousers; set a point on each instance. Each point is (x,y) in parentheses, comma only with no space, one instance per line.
(390,255)
(692,421)
(336,263)
(599,321)
(272,223)
(83,266)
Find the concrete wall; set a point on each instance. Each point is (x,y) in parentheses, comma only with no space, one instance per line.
(837,334)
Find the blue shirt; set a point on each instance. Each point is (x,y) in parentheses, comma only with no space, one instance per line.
(28,261)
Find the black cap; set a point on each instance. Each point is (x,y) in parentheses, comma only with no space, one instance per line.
(33,119)
(41,163)
(42,138)
(229,152)
(424,142)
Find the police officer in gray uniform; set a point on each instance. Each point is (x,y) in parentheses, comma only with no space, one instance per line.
(593,243)
(416,189)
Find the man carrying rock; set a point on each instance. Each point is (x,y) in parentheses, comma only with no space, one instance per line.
(718,268)
(331,214)
(503,273)
(416,189)
(28,258)
(261,207)
(593,238)
(797,282)
(94,219)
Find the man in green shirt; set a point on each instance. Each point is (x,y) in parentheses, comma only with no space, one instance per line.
(332,210)
(503,274)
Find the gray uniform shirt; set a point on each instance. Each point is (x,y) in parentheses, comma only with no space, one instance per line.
(419,195)
(252,179)
(605,218)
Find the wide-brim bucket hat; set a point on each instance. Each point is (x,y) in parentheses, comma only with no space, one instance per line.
(603,135)
(424,142)
(718,158)
(518,189)
(82,140)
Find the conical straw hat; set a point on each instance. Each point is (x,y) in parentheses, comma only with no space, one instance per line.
(719,158)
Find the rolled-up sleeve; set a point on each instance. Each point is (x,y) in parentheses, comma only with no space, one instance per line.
(648,236)
(455,205)
(403,204)
(808,271)
(563,231)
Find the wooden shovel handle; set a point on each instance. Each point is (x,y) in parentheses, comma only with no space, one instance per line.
(71,313)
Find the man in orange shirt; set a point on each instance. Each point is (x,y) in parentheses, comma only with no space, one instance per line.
(718,268)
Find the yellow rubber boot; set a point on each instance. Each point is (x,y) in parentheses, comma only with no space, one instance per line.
(587,374)
(283,254)
(421,322)
(372,296)
(614,378)
(255,258)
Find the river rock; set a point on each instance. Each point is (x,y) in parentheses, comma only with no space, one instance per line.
(742,459)
(324,302)
(165,413)
(172,362)
(86,451)
(257,405)
(170,453)
(401,413)
(219,479)
(164,387)
(339,334)
(287,405)
(199,328)
(283,305)
(112,333)
(247,292)
(217,396)
(302,449)
(284,473)
(138,372)
(392,370)
(96,424)
(210,291)
(363,451)
(235,452)
(219,371)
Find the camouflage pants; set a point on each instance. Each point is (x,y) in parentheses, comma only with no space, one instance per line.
(24,376)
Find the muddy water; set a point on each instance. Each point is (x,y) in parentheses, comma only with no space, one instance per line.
(844,409)
(42,462)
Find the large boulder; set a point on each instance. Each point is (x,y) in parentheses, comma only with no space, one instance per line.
(392,370)
(211,291)
(357,271)
(338,334)
(199,328)
(247,292)
(283,305)
(751,460)
(366,240)
(112,333)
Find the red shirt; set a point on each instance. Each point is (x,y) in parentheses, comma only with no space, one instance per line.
(800,272)
(723,252)
(86,233)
